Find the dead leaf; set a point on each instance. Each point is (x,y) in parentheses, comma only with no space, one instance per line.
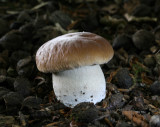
(41,80)
(124,90)
(40,5)
(108,122)
(112,8)
(73,124)
(135,61)
(52,97)
(130,5)
(145,79)
(131,18)
(53,124)
(112,74)
(136,118)
(71,26)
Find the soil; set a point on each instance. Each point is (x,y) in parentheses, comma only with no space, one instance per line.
(132,27)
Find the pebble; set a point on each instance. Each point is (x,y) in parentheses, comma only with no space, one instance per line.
(3,62)
(116,101)
(111,9)
(143,39)
(3,27)
(11,72)
(17,55)
(156,99)
(2,78)
(13,98)
(138,103)
(122,41)
(112,88)
(157,33)
(60,17)
(155,121)
(39,23)
(6,82)
(136,93)
(55,106)
(27,31)
(84,25)
(148,2)
(27,46)
(26,71)
(23,62)
(25,66)
(46,33)
(7,121)
(154,49)
(40,114)
(123,79)
(157,57)
(84,112)
(31,102)
(51,6)
(119,2)
(155,88)
(15,25)
(112,63)
(13,102)
(12,40)
(3,71)
(22,86)
(149,61)
(156,70)
(157,8)
(3,91)
(23,17)
(4,54)
(142,10)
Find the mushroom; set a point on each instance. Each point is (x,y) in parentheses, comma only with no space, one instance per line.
(74,60)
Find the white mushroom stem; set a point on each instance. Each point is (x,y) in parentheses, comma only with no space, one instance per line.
(84,84)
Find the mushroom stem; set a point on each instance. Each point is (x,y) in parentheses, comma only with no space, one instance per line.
(83,84)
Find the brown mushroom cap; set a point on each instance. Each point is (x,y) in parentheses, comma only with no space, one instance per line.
(73,50)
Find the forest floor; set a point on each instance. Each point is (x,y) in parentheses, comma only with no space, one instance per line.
(132,76)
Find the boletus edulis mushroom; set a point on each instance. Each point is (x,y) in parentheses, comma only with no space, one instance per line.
(74,60)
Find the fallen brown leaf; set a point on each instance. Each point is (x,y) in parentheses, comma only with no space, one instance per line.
(136,118)
(53,124)
(108,122)
(146,79)
(112,74)
(73,124)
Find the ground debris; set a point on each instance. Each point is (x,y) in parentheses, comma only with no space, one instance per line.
(136,118)
(27,97)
